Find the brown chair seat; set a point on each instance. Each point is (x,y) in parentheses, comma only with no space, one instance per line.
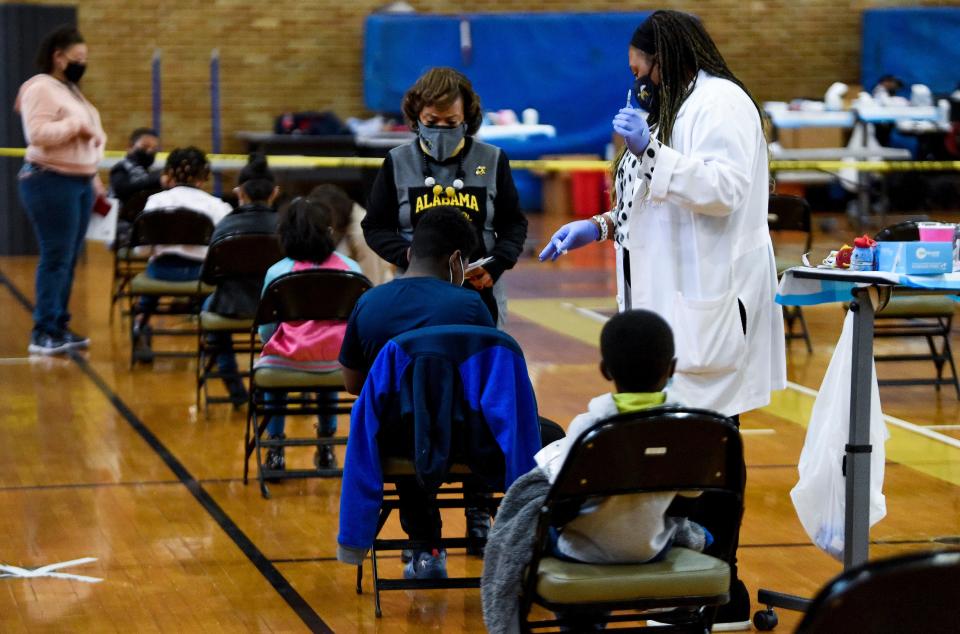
(214,321)
(276,378)
(403,467)
(919,306)
(682,573)
(143,284)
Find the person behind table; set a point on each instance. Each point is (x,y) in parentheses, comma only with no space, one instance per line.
(311,346)
(238,298)
(428,294)
(348,233)
(447,166)
(58,181)
(186,171)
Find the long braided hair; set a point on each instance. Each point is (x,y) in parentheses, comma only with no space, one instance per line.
(186,166)
(683,48)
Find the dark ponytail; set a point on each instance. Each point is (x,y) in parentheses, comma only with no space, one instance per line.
(59,39)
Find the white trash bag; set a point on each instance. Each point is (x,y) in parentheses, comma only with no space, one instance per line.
(820,495)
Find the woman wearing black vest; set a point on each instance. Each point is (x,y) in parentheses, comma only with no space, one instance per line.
(446,165)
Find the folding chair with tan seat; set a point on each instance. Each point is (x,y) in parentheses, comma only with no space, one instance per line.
(310,295)
(445,404)
(926,316)
(656,450)
(168,227)
(127,264)
(232,258)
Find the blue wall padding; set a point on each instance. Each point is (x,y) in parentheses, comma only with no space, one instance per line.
(571,67)
(919,45)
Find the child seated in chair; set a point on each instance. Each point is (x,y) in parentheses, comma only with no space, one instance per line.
(186,171)
(311,346)
(238,298)
(637,354)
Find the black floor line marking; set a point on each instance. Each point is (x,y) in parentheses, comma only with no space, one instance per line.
(308,560)
(299,605)
(85,485)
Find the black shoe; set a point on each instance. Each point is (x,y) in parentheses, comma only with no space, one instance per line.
(478,526)
(142,340)
(324,458)
(734,616)
(74,340)
(275,460)
(237,391)
(47,344)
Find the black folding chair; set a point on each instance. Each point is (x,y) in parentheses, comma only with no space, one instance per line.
(443,345)
(656,450)
(927,316)
(791,214)
(164,227)
(311,295)
(126,264)
(241,259)
(911,593)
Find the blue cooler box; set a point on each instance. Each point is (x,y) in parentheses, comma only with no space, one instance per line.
(916,258)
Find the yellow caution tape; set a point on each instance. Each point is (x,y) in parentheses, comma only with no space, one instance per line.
(328,162)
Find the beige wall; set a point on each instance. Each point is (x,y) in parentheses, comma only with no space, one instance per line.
(279,55)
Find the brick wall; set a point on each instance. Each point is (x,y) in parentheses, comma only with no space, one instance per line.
(282,55)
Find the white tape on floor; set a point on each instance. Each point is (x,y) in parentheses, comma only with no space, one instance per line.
(48,571)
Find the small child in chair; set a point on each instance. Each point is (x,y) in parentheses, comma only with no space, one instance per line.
(637,354)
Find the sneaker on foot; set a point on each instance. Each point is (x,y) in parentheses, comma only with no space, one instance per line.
(324,458)
(478,527)
(427,565)
(75,340)
(47,344)
(734,616)
(237,391)
(275,460)
(142,339)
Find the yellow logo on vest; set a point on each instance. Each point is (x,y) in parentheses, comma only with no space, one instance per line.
(459,199)
(481,170)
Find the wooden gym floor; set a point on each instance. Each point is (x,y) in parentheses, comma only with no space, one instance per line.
(101,462)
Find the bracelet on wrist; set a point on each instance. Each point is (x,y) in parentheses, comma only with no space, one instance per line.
(602,226)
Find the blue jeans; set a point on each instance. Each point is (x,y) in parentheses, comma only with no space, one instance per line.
(327,423)
(169,268)
(59,208)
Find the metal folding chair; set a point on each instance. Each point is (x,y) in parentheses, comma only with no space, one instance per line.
(242,258)
(311,295)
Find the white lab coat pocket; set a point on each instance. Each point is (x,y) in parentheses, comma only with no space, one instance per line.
(709,334)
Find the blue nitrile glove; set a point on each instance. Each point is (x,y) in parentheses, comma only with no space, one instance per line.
(572,235)
(633,128)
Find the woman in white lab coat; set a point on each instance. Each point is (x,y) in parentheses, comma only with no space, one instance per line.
(690,218)
(689,223)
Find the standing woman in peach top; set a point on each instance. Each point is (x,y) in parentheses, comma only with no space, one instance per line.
(58,182)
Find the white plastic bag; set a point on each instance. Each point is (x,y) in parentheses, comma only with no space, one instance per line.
(104,228)
(820,495)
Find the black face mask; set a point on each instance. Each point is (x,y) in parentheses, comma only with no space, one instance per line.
(143,158)
(74,71)
(648,93)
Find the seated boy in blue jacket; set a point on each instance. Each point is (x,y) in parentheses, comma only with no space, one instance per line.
(428,294)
